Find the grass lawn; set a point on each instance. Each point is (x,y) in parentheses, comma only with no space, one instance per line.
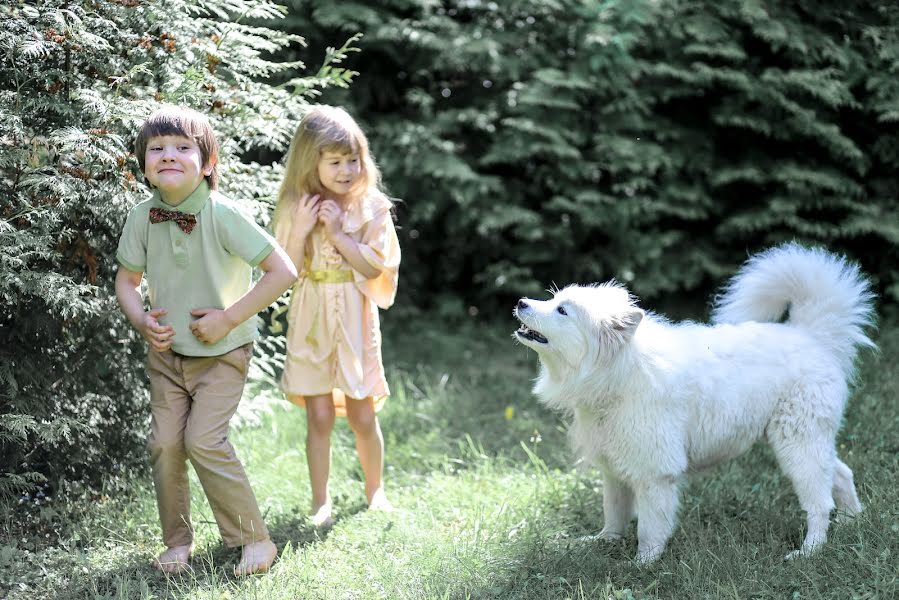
(489,503)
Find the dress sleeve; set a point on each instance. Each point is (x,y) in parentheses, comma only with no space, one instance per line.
(381,249)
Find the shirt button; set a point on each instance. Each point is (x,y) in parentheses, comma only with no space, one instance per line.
(178,243)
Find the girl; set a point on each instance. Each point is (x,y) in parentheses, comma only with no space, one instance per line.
(337,227)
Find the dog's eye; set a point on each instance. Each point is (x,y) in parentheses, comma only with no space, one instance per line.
(561,310)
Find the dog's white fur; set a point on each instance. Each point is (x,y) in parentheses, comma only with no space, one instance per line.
(651,400)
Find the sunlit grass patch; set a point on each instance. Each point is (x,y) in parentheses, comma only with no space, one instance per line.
(488,505)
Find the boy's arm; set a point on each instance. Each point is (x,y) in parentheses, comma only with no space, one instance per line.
(214,324)
(127,291)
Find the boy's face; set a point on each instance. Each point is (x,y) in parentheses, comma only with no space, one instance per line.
(174,165)
(338,172)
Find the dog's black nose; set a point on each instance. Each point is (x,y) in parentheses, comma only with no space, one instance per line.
(521,305)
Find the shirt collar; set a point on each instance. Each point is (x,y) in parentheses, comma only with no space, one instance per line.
(192,204)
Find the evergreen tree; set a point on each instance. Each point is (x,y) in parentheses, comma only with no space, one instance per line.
(76,80)
(659,143)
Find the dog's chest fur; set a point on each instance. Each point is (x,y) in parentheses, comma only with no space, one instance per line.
(624,441)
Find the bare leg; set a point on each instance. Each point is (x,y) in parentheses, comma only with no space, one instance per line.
(320,417)
(370,447)
(656,516)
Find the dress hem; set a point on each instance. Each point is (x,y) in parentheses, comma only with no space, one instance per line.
(339,398)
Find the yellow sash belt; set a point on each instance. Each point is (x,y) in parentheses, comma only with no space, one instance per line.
(331,276)
(324,276)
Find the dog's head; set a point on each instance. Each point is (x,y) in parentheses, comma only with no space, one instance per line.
(578,325)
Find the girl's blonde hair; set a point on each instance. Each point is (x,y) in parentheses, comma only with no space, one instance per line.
(324,129)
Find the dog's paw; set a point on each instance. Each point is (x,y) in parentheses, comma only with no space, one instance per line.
(794,555)
(846,515)
(646,556)
(606,536)
(804,552)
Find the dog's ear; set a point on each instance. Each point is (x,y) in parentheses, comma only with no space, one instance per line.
(627,324)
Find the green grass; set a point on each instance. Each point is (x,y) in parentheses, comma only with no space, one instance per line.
(488,507)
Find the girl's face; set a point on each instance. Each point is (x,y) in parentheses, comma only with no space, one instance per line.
(174,165)
(338,172)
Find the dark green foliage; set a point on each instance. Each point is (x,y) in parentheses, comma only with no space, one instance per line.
(76,80)
(532,142)
(656,142)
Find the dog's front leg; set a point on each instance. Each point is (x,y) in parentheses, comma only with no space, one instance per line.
(657,502)
(617,506)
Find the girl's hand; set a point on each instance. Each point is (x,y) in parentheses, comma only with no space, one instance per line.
(305,214)
(330,214)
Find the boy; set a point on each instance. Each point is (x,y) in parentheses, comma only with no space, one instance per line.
(197,250)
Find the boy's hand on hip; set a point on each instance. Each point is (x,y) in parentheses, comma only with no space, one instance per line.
(160,336)
(212,325)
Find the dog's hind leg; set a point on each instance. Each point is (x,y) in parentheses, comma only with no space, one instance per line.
(656,517)
(810,467)
(617,507)
(844,491)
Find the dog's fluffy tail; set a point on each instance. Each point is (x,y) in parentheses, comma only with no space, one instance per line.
(816,290)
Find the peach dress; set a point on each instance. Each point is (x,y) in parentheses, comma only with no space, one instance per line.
(334,333)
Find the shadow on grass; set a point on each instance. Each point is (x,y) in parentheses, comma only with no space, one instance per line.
(725,545)
(294,529)
(210,569)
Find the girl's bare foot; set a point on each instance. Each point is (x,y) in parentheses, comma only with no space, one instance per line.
(256,558)
(321,517)
(174,559)
(379,501)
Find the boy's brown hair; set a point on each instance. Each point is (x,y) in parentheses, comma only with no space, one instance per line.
(186,122)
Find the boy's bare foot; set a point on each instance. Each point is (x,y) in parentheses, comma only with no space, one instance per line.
(321,518)
(379,502)
(174,559)
(256,558)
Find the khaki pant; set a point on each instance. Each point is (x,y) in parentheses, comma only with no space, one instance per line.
(192,400)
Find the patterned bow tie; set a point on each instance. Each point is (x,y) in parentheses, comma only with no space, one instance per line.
(185,221)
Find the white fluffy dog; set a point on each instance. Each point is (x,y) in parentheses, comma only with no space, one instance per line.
(651,401)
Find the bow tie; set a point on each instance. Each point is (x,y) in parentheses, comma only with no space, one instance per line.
(185,221)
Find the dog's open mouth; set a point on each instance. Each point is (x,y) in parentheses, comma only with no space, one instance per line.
(530,334)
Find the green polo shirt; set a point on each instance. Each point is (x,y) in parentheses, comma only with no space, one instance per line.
(211,267)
